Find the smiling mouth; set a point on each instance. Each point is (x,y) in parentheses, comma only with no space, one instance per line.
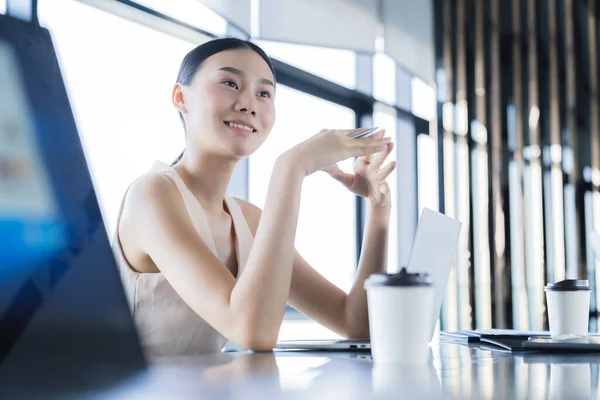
(239,126)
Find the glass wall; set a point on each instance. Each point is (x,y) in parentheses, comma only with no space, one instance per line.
(119,82)
(326,225)
(384,78)
(335,65)
(191,12)
(385,117)
(520,132)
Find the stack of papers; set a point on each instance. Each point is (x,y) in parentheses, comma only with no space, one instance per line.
(524,341)
(503,339)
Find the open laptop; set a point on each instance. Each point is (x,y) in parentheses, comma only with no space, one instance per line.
(64,319)
(433,251)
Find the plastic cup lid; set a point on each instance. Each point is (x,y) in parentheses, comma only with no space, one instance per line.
(402,278)
(569,285)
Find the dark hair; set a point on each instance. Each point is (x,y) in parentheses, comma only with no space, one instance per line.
(195,58)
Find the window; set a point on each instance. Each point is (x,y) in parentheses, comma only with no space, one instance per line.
(119,82)
(336,65)
(191,12)
(385,117)
(427,171)
(422,99)
(403,88)
(384,78)
(2,6)
(326,227)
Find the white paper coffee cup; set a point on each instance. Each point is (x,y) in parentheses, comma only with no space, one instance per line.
(568,307)
(400,311)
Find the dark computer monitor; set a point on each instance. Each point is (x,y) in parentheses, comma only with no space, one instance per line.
(64,318)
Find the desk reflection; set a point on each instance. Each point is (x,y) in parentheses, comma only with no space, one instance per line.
(570,376)
(454,371)
(412,381)
(243,367)
(473,373)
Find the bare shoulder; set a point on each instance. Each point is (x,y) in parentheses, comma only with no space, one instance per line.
(151,185)
(149,196)
(251,212)
(149,190)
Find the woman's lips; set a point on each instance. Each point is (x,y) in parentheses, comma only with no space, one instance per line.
(240,129)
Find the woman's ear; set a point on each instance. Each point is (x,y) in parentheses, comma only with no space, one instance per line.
(178,98)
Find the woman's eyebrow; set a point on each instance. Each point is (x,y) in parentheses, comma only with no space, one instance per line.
(242,73)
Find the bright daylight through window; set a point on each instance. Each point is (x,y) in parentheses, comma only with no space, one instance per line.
(326,226)
(119,82)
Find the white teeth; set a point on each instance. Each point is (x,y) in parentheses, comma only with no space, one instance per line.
(234,125)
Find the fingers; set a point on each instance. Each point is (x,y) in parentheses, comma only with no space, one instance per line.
(379,158)
(348,132)
(379,134)
(332,169)
(343,177)
(363,161)
(375,139)
(387,170)
(363,147)
(336,173)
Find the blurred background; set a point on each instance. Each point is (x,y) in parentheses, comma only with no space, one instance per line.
(493,106)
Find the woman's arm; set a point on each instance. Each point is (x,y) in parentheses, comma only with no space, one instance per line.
(261,292)
(373,259)
(322,301)
(272,256)
(249,310)
(315,296)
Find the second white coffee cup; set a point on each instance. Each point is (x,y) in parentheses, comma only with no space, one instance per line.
(568,307)
(400,312)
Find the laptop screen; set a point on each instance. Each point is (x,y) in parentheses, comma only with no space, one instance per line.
(61,297)
(434,248)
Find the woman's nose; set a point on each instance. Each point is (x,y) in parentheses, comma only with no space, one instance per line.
(245,102)
(246,111)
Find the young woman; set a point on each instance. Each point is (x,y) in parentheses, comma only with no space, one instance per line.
(201,268)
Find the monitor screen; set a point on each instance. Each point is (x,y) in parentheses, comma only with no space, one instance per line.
(61,298)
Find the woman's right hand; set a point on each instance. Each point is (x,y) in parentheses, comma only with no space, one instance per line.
(330,146)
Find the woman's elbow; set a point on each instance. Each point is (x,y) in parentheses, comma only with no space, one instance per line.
(257,340)
(257,343)
(358,331)
(358,335)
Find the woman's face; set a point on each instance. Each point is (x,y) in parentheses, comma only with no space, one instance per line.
(229,106)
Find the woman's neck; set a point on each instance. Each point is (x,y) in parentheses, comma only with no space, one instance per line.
(207,175)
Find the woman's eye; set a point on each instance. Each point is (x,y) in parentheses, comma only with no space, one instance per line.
(264,93)
(231,84)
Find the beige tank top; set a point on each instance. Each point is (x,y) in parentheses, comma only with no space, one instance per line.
(166,324)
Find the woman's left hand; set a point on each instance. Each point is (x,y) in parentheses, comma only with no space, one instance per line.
(369,177)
